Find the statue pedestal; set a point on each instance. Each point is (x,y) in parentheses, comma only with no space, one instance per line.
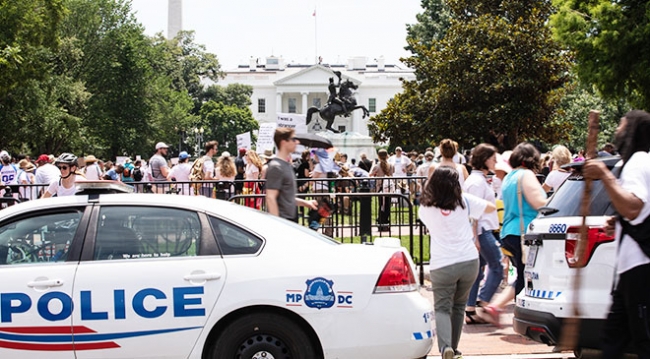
(351,143)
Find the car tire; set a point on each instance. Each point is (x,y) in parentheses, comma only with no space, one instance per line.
(258,335)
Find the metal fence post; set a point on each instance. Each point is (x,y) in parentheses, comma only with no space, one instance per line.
(365,212)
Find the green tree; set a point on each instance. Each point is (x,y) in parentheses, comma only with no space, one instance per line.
(27,39)
(238,95)
(610,40)
(224,122)
(496,72)
(431,25)
(573,113)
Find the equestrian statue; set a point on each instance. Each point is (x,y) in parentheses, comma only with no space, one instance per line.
(338,104)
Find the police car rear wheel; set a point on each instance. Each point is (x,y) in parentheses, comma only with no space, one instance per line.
(263,335)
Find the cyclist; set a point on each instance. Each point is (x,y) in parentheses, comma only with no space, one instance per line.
(65,185)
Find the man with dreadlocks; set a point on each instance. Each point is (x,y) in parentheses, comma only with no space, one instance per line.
(65,185)
(629,316)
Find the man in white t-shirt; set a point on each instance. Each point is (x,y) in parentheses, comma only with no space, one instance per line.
(46,171)
(208,167)
(400,162)
(181,173)
(629,315)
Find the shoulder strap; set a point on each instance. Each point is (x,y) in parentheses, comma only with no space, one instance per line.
(520,200)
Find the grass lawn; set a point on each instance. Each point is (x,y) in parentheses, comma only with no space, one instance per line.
(405,243)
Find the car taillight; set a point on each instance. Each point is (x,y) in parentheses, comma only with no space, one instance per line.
(397,276)
(595,237)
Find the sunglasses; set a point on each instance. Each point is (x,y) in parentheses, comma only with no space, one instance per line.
(294,139)
(63,168)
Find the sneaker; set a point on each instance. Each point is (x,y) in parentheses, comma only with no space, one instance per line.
(448,353)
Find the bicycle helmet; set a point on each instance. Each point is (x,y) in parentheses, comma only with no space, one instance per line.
(67,159)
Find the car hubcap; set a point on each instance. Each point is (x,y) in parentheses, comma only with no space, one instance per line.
(263,347)
(263,355)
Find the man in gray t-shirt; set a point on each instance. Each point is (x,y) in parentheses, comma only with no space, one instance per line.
(281,181)
(158,164)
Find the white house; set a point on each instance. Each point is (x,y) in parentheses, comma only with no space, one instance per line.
(291,88)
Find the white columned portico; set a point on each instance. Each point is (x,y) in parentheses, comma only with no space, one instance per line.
(304,101)
(278,102)
(356,117)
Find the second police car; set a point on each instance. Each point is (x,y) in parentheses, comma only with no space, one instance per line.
(148,276)
(548,297)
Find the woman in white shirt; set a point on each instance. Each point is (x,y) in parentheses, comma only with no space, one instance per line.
(181,173)
(561,156)
(254,166)
(454,259)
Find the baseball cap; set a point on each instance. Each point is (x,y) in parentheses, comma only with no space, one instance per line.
(5,154)
(160,145)
(43,158)
(429,154)
(183,155)
(398,149)
(242,151)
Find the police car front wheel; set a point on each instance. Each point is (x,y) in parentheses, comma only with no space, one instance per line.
(263,335)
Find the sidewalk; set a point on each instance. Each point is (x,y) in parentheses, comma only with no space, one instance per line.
(485,339)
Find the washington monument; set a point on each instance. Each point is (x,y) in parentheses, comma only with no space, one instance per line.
(174,18)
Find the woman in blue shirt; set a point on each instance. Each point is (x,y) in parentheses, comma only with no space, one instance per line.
(521,182)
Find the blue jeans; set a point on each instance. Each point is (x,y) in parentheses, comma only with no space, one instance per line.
(490,255)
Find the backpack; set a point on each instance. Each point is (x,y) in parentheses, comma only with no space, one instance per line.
(137,174)
(197,174)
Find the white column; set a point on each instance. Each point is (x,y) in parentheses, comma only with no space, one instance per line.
(174,18)
(278,102)
(356,117)
(304,101)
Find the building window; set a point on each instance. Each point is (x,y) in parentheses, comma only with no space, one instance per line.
(292,105)
(372,104)
(261,105)
(341,129)
(316,102)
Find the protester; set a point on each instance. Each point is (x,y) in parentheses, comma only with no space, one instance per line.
(303,172)
(628,318)
(181,173)
(92,171)
(65,184)
(424,168)
(561,156)
(46,171)
(365,164)
(448,149)
(523,195)
(608,150)
(9,172)
(383,169)
(254,166)
(401,163)
(225,172)
(240,164)
(158,166)
(281,183)
(127,174)
(211,148)
(446,212)
(138,173)
(483,161)
(27,177)
(114,174)
(501,170)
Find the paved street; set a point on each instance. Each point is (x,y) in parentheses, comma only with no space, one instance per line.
(486,341)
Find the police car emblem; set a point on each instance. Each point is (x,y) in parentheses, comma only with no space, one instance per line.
(319,293)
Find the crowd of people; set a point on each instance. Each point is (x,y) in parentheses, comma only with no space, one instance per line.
(457,195)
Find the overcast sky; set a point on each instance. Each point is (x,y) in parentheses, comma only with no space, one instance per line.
(238,29)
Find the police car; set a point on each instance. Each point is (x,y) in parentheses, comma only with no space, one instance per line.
(551,263)
(155,276)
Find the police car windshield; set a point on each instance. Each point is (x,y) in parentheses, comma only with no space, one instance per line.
(568,197)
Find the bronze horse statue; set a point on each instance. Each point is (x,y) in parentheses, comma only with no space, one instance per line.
(344,107)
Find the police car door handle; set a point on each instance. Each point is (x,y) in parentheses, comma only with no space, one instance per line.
(45,283)
(202,276)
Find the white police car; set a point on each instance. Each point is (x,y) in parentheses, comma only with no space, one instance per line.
(154,276)
(551,264)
